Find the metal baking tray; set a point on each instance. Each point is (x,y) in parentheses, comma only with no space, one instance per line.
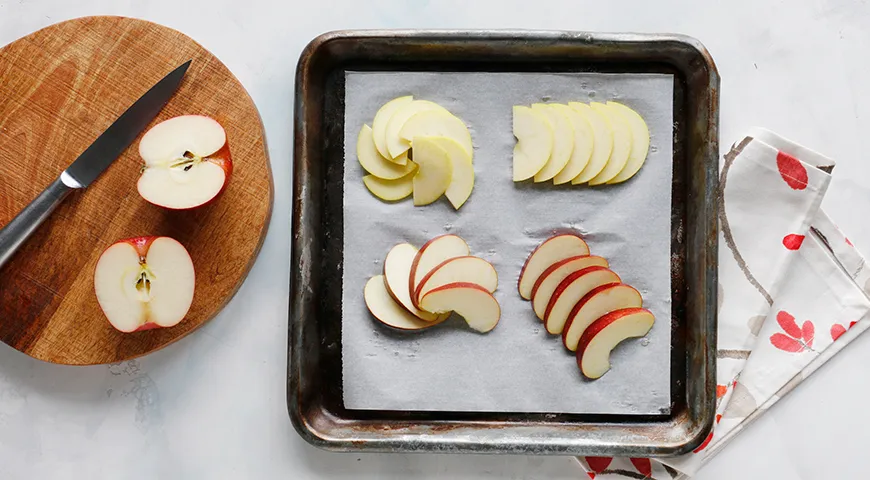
(314,395)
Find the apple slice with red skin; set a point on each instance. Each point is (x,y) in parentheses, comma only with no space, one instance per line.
(458,269)
(471,301)
(570,291)
(595,304)
(397,271)
(553,276)
(387,311)
(600,338)
(550,251)
(144,283)
(187,162)
(431,254)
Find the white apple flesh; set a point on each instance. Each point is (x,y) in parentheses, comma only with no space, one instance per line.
(550,251)
(432,254)
(572,289)
(534,135)
(553,276)
(602,146)
(373,162)
(385,309)
(595,304)
(397,272)
(437,123)
(459,269)
(600,338)
(563,141)
(639,141)
(187,162)
(584,139)
(379,126)
(621,144)
(144,283)
(434,171)
(396,145)
(470,301)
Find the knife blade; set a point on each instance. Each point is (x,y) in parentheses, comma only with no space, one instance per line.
(91,163)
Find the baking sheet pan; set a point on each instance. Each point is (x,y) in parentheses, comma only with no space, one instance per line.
(315,397)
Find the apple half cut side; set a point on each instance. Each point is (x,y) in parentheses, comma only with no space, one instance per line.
(621,144)
(470,301)
(144,282)
(534,142)
(432,254)
(550,251)
(563,141)
(639,141)
(595,304)
(572,290)
(187,162)
(600,338)
(437,123)
(372,161)
(385,309)
(397,271)
(396,145)
(553,276)
(459,269)
(434,171)
(584,142)
(602,146)
(379,126)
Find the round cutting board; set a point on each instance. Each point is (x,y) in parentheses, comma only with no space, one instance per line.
(61,87)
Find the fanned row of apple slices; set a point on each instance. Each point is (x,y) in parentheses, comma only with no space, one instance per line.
(420,288)
(577,296)
(578,143)
(417,146)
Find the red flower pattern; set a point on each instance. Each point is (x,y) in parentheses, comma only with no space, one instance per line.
(642,465)
(792,171)
(838,330)
(598,464)
(796,339)
(704,444)
(721,390)
(792,241)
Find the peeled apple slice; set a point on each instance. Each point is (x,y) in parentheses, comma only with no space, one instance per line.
(382,118)
(396,145)
(534,142)
(584,139)
(639,141)
(391,190)
(373,162)
(385,309)
(621,144)
(437,123)
(563,141)
(602,146)
(433,173)
(462,171)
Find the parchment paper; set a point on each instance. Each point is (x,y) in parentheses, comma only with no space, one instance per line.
(517,367)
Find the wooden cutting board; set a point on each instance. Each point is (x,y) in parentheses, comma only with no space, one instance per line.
(60,88)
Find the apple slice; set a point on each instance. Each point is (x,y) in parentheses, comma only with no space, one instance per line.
(550,251)
(553,276)
(432,254)
(437,123)
(187,162)
(471,301)
(598,302)
(397,145)
(373,162)
(144,282)
(601,147)
(387,311)
(379,126)
(600,338)
(572,289)
(397,271)
(461,171)
(621,144)
(563,141)
(534,142)
(584,139)
(433,171)
(639,141)
(466,269)
(391,190)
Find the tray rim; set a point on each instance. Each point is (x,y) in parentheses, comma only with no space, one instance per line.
(331,432)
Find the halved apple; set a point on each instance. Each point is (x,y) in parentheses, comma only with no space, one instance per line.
(584,139)
(598,302)
(385,309)
(563,141)
(602,146)
(379,126)
(471,301)
(432,254)
(553,276)
(461,171)
(550,251)
(639,141)
(391,190)
(534,142)
(434,171)
(600,338)
(621,144)
(397,271)
(458,269)
(144,282)
(570,291)
(437,123)
(396,145)
(373,162)
(187,162)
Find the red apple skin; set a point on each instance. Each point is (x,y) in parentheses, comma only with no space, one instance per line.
(582,302)
(565,283)
(221,158)
(549,270)
(411,290)
(466,285)
(599,325)
(415,294)
(523,270)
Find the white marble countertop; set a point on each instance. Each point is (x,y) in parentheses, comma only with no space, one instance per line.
(213,405)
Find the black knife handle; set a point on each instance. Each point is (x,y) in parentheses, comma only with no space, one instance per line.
(13,235)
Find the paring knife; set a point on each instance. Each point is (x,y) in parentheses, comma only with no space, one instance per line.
(91,163)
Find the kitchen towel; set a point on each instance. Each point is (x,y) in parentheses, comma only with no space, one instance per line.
(790,292)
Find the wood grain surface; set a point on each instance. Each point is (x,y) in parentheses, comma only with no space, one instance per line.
(59,89)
